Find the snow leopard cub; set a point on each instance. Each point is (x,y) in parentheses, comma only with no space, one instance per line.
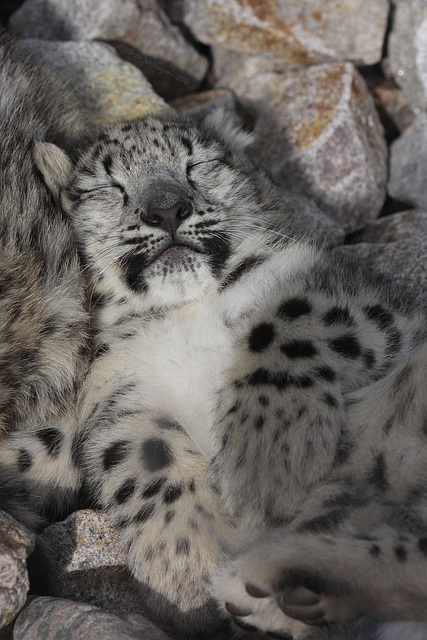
(254,416)
(246,390)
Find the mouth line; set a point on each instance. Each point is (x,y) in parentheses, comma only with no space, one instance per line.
(176,248)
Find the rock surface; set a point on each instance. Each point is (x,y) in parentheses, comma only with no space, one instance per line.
(139,23)
(408,164)
(195,105)
(91,562)
(407,47)
(300,216)
(321,137)
(397,246)
(48,618)
(16,544)
(292,33)
(393,107)
(108,88)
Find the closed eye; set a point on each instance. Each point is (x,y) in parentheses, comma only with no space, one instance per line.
(122,190)
(118,186)
(105,186)
(114,185)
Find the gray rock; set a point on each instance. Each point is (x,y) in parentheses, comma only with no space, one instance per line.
(407,50)
(108,88)
(91,563)
(290,32)
(321,137)
(48,618)
(138,23)
(299,216)
(16,544)
(397,246)
(408,164)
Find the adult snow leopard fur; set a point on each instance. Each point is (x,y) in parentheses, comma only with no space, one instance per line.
(44,347)
(254,415)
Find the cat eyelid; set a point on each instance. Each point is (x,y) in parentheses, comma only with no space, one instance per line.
(106,186)
(117,185)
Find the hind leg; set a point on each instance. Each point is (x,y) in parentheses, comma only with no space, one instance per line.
(317,579)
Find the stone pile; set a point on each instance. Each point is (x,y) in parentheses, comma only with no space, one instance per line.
(337,95)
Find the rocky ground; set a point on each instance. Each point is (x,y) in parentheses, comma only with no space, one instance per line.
(337,93)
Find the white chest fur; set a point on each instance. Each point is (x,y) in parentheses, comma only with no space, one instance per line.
(179,362)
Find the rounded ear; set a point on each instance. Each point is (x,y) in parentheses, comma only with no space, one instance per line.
(227,127)
(54,165)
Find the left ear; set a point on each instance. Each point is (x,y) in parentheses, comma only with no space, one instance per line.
(54,165)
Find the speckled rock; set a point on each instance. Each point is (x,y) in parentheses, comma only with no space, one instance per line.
(407,50)
(16,543)
(321,136)
(56,619)
(291,33)
(396,245)
(91,562)
(138,23)
(107,87)
(408,164)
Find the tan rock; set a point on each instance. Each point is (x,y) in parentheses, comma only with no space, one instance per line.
(139,23)
(55,619)
(16,543)
(108,88)
(296,33)
(320,136)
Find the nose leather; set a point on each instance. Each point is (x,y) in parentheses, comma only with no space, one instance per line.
(168,219)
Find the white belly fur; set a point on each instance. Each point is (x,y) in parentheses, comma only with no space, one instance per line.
(180,361)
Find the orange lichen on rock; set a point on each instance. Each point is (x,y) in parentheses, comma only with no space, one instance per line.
(326,97)
(274,36)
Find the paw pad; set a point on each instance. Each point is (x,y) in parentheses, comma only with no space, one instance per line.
(300,596)
(235,610)
(256,592)
(302,604)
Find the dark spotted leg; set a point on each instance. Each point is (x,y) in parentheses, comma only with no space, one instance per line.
(145,471)
(280,417)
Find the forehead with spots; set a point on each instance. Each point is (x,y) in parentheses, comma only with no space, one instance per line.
(146,146)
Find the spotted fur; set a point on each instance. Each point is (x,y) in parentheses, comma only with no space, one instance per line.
(253,416)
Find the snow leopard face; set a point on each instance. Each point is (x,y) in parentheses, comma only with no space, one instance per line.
(159,206)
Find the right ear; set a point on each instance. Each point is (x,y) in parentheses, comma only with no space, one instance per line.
(227,126)
(54,165)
